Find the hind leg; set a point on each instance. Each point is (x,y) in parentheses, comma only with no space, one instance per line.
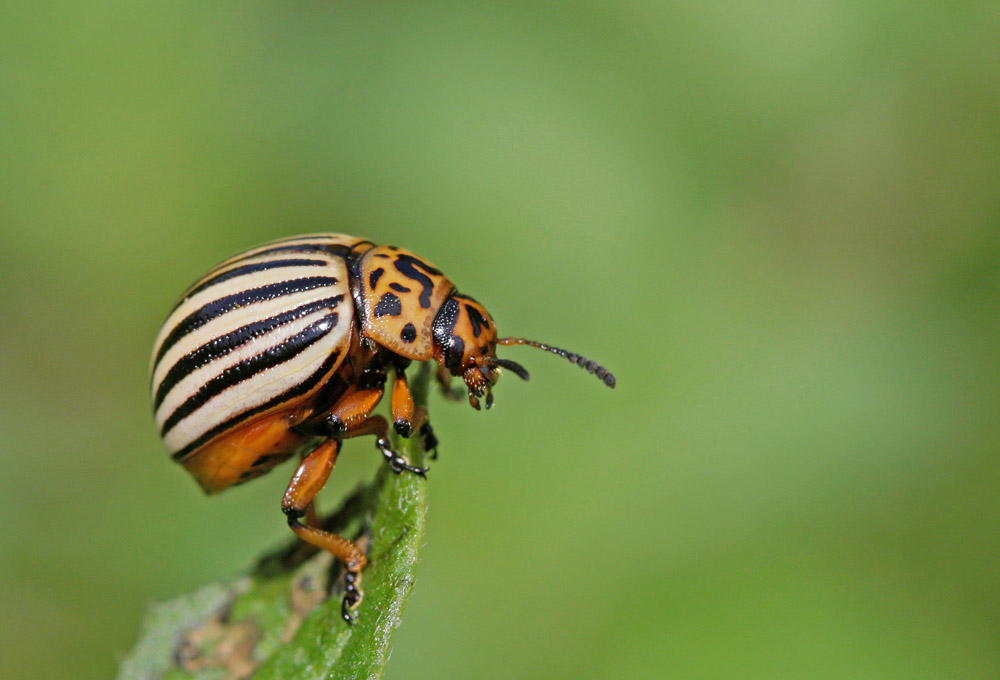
(308,479)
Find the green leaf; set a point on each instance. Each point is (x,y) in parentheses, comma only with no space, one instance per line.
(282,619)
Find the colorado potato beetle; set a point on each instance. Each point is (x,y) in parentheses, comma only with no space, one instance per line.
(294,340)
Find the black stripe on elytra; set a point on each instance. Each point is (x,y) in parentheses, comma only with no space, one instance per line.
(299,237)
(298,390)
(388,305)
(222,345)
(399,288)
(407,265)
(252,268)
(374,277)
(305,238)
(228,303)
(248,368)
(307,247)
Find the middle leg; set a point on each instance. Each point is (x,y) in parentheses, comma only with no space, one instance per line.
(407,418)
(351,417)
(377,425)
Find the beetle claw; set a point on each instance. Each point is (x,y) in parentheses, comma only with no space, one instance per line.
(397,463)
(352,597)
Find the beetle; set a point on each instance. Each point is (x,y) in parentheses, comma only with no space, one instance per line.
(295,339)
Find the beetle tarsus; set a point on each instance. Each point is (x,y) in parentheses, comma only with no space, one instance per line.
(404,428)
(430,441)
(396,462)
(352,597)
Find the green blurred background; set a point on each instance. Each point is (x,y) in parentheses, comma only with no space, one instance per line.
(779,223)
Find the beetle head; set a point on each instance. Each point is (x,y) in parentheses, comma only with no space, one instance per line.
(465,342)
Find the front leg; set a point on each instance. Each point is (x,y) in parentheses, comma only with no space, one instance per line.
(406,419)
(430,441)
(402,405)
(443,378)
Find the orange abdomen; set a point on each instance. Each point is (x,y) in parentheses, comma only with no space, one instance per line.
(246,452)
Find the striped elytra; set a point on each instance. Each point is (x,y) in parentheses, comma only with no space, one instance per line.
(291,344)
(256,333)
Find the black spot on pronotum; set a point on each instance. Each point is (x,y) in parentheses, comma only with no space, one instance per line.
(410,267)
(374,277)
(399,288)
(476,319)
(388,305)
(409,333)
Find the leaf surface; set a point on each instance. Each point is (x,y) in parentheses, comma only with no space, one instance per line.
(282,619)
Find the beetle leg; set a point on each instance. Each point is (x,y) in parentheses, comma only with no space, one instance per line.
(430,441)
(378,426)
(397,463)
(311,519)
(402,405)
(308,479)
(352,410)
(422,424)
(406,418)
(350,418)
(443,378)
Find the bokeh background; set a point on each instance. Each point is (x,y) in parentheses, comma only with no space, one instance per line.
(778,222)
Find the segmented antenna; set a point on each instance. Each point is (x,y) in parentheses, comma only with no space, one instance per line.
(578,359)
(517,368)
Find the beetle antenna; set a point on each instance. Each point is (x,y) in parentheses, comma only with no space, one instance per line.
(578,359)
(515,367)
